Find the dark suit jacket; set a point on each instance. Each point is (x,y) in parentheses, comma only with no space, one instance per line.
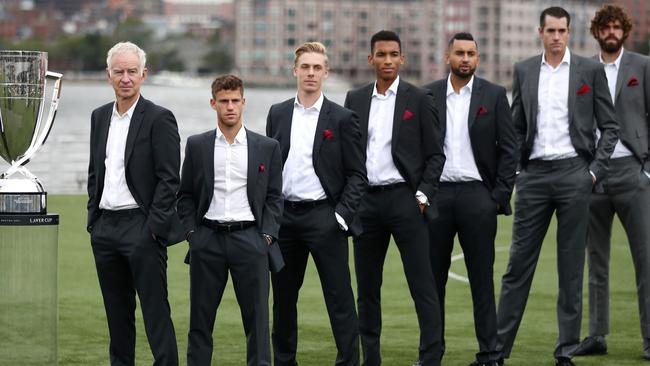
(491,133)
(339,157)
(633,103)
(151,164)
(590,107)
(417,145)
(264,186)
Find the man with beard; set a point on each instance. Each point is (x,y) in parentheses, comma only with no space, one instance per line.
(476,182)
(558,99)
(625,190)
(399,127)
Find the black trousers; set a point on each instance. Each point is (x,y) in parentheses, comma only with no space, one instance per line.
(212,255)
(130,261)
(305,230)
(395,212)
(467,209)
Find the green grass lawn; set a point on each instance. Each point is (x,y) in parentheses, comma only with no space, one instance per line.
(83,334)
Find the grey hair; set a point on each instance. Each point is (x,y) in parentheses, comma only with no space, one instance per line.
(124,47)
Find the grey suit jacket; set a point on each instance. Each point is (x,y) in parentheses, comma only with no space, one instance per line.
(632,103)
(590,107)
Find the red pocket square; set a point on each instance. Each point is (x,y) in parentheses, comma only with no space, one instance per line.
(407,115)
(482,110)
(633,81)
(327,134)
(261,169)
(583,89)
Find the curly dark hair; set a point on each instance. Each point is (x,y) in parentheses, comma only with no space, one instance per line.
(609,13)
(227,82)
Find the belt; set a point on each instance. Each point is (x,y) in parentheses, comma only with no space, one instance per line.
(305,204)
(122,213)
(559,163)
(386,187)
(227,227)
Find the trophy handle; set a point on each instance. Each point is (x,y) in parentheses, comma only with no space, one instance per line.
(45,131)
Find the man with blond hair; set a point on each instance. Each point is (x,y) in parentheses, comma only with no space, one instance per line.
(133,176)
(324,177)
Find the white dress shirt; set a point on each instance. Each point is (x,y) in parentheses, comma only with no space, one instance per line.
(460,165)
(116,194)
(230,198)
(300,182)
(379,158)
(611,71)
(552,139)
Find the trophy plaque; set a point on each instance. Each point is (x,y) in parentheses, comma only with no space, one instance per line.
(23,130)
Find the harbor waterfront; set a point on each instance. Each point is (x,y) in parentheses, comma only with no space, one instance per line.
(62,162)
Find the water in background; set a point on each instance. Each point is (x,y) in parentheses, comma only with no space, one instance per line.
(62,163)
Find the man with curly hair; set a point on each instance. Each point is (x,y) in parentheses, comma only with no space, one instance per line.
(625,190)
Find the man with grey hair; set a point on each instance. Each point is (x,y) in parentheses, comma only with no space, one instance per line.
(133,176)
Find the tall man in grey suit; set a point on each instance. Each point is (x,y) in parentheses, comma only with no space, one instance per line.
(476,182)
(230,205)
(557,96)
(132,183)
(625,190)
(324,178)
(402,138)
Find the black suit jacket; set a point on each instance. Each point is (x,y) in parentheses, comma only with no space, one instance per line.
(417,145)
(590,107)
(339,156)
(491,134)
(151,165)
(264,186)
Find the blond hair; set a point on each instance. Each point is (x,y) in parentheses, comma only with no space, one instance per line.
(310,47)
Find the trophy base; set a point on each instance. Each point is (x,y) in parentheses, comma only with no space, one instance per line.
(22,196)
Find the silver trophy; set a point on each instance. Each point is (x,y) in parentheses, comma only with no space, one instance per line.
(23,76)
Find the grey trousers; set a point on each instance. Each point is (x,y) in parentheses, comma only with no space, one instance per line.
(627,194)
(562,187)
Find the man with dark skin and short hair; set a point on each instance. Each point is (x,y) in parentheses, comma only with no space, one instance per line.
(625,190)
(558,99)
(230,205)
(324,178)
(475,185)
(401,134)
(132,182)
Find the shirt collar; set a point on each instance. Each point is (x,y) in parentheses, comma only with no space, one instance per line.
(128,113)
(565,60)
(392,88)
(317,106)
(616,62)
(240,138)
(450,88)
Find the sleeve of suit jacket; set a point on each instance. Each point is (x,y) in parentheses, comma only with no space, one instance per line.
(518,117)
(432,148)
(187,198)
(93,205)
(506,150)
(166,152)
(273,204)
(646,93)
(606,120)
(354,165)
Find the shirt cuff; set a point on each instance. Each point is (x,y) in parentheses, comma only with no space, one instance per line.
(341,221)
(422,198)
(646,174)
(593,175)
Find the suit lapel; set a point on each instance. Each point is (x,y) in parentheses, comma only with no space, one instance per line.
(440,95)
(532,91)
(623,73)
(365,111)
(574,78)
(104,125)
(208,154)
(400,106)
(323,123)
(134,128)
(284,137)
(253,168)
(474,102)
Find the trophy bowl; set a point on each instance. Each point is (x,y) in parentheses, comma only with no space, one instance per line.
(23,130)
